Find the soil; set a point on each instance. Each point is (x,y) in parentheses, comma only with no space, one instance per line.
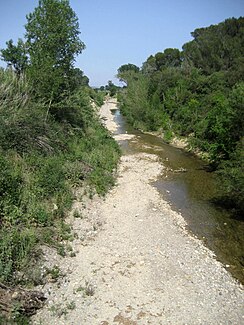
(135,262)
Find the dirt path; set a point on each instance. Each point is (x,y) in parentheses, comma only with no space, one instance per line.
(135,263)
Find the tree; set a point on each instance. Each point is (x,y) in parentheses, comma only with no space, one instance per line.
(52,33)
(169,58)
(149,66)
(128,67)
(217,47)
(79,79)
(112,88)
(15,55)
(232,178)
(127,71)
(198,93)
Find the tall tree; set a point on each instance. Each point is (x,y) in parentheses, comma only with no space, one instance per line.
(52,33)
(79,79)
(170,58)
(217,47)
(127,72)
(149,66)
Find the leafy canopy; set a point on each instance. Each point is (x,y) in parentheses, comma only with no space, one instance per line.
(127,72)
(52,38)
(15,55)
(197,92)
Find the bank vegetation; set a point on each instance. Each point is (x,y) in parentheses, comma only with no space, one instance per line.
(51,142)
(197,93)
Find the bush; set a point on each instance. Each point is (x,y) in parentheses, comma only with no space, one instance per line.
(45,152)
(232,178)
(50,176)
(15,246)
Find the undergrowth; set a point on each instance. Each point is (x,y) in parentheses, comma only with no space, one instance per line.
(44,154)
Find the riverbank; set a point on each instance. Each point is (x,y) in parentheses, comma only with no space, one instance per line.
(137,263)
(182,143)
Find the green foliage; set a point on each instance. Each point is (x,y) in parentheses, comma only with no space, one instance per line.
(22,120)
(15,246)
(232,178)
(42,159)
(14,92)
(52,34)
(50,138)
(197,93)
(16,317)
(54,272)
(217,47)
(128,72)
(97,95)
(99,98)
(99,153)
(149,66)
(214,130)
(51,176)
(78,78)
(11,183)
(15,56)
(236,101)
(111,88)
(143,111)
(128,67)
(169,58)
(135,103)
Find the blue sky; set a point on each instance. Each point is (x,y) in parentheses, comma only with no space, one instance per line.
(117,32)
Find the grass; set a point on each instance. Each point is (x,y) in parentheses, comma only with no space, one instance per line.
(42,161)
(87,290)
(54,273)
(62,310)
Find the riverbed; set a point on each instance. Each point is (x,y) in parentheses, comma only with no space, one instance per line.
(191,190)
(134,260)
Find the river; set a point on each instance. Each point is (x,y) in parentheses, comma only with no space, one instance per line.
(192,193)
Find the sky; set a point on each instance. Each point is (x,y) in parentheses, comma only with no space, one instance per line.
(118,32)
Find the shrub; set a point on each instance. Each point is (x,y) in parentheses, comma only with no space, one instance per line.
(15,246)
(44,153)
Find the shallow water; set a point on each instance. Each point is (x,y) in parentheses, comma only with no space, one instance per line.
(192,193)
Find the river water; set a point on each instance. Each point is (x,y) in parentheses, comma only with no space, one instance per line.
(192,193)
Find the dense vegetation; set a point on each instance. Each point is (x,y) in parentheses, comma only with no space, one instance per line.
(51,140)
(197,93)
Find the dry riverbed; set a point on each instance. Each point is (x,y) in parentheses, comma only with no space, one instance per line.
(135,263)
